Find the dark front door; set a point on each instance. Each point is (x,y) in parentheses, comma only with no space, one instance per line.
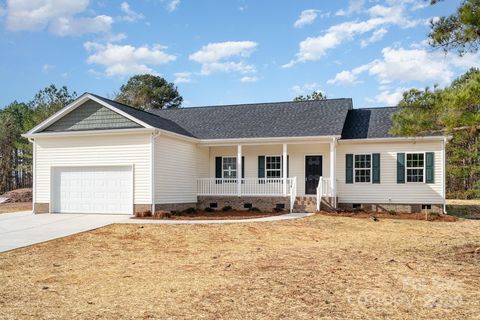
(313,172)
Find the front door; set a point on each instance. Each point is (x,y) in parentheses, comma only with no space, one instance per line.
(313,172)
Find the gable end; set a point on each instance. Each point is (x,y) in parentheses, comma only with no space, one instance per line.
(91,116)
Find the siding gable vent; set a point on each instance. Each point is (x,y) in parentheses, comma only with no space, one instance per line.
(91,116)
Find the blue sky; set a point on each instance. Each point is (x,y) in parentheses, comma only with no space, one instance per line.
(224,52)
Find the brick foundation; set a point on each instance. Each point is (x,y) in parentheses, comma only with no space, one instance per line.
(407,208)
(142,207)
(175,206)
(41,207)
(237,203)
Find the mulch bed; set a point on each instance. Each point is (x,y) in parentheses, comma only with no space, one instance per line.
(396,215)
(217,215)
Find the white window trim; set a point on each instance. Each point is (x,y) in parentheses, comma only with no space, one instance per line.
(423,168)
(236,169)
(355,169)
(281,166)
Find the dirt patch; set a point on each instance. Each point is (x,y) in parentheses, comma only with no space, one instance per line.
(14,207)
(19,195)
(217,215)
(393,215)
(319,267)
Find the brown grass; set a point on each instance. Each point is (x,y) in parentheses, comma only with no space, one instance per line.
(15,206)
(317,267)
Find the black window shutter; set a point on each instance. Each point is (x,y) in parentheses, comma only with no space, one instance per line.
(430,167)
(400,167)
(261,168)
(349,168)
(375,167)
(288,166)
(218,167)
(243,167)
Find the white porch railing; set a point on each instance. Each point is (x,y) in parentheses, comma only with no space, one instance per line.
(324,189)
(249,187)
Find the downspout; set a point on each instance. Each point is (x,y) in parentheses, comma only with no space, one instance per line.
(34,187)
(444,164)
(152,166)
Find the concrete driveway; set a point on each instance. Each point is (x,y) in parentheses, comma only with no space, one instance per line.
(22,229)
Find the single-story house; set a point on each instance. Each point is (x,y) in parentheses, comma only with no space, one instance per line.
(100,156)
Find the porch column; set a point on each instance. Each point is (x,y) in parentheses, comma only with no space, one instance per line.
(333,161)
(239,170)
(284,168)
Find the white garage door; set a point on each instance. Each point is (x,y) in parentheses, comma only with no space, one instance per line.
(107,190)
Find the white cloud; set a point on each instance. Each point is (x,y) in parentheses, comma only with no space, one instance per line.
(183,77)
(217,57)
(60,16)
(306,17)
(314,48)
(66,26)
(306,88)
(47,67)
(405,65)
(390,98)
(376,36)
(115,37)
(126,59)
(130,15)
(354,6)
(249,79)
(3,11)
(348,77)
(173,5)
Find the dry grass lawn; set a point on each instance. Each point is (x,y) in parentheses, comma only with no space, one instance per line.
(15,206)
(318,267)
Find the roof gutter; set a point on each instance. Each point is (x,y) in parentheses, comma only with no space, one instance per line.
(396,139)
(87,133)
(272,140)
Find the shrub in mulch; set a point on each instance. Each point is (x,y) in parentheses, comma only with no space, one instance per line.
(143,214)
(227,208)
(190,210)
(209,209)
(254,209)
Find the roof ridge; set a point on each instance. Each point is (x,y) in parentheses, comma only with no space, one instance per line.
(126,105)
(251,104)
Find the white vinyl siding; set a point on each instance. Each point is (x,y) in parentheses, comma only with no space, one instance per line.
(389,191)
(296,154)
(95,150)
(177,166)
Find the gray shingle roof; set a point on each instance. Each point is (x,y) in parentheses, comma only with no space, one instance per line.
(368,123)
(281,119)
(267,120)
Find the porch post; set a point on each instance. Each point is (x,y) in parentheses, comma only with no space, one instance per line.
(239,170)
(284,168)
(333,160)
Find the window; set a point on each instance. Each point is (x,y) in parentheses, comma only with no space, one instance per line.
(229,167)
(415,167)
(273,166)
(363,167)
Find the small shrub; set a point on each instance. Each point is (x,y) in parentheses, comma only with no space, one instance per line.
(208,209)
(175,213)
(392,212)
(163,214)
(278,209)
(190,210)
(227,208)
(147,213)
(254,209)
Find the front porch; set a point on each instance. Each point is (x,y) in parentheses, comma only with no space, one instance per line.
(278,174)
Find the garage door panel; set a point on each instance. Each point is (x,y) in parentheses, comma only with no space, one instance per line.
(106,190)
